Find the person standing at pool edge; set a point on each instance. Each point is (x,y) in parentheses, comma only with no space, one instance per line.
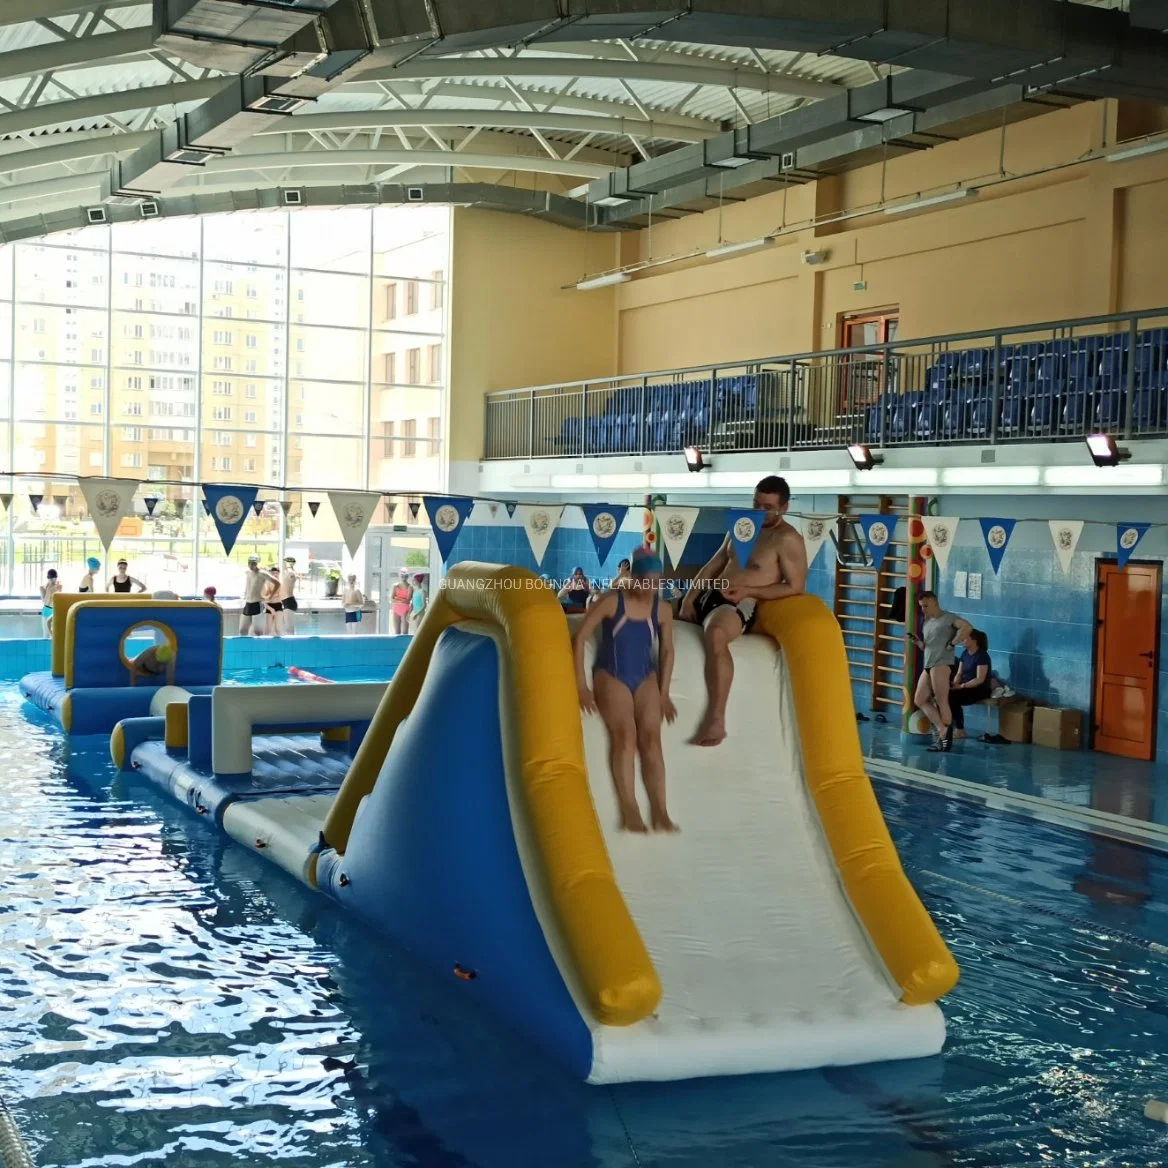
(630,686)
(122,581)
(253,593)
(351,602)
(777,568)
(49,589)
(939,633)
(87,581)
(288,604)
(399,599)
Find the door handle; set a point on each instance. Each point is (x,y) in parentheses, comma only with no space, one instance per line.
(1150,654)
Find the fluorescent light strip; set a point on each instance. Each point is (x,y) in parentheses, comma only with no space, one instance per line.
(725,249)
(624,482)
(1102,477)
(818,480)
(575,482)
(1138,151)
(676,482)
(603,281)
(735,478)
(991,476)
(889,476)
(932,201)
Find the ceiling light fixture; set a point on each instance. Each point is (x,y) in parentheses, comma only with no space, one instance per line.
(1105,452)
(725,249)
(694,460)
(610,201)
(886,114)
(863,457)
(957,196)
(603,281)
(1138,151)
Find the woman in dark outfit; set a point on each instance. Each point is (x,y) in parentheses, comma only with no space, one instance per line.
(971,678)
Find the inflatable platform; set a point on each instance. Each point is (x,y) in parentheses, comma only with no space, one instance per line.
(95,635)
(476,823)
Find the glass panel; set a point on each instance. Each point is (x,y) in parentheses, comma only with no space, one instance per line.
(244,292)
(243,403)
(231,456)
(403,457)
(322,462)
(411,241)
(322,354)
(893,329)
(334,239)
(6,254)
(330,298)
(406,359)
(249,237)
(59,448)
(62,275)
(5,402)
(316,408)
(168,449)
(142,339)
(60,392)
(158,237)
(60,334)
(156,284)
(251,348)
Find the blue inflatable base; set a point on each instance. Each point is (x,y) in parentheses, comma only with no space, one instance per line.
(92,711)
(284,765)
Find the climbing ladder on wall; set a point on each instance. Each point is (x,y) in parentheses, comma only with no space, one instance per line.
(875,646)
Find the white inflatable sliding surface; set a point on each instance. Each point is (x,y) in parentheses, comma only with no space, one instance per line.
(763,963)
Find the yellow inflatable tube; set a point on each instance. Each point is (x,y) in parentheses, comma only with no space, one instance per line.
(62,603)
(615,973)
(880,893)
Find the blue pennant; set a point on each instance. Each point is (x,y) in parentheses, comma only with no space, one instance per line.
(744,528)
(1127,539)
(996,533)
(510,509)
(604,524)
(228,507)
(878,531)
(446,519)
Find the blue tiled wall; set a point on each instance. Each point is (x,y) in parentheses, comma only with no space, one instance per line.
(312,653)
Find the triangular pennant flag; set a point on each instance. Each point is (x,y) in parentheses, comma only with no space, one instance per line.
(108,502)
(258,506)
(1127,539)
(314,506)
(1065,533)
(744,528)
(6,499)
(180,506)
(286,506)
(446,519)
(996,533)
(604,524)
(539,521)
(353,510)
(493,508)
(510,509)
(878,535)
(940,532)
(414,509)
(228,507)
(151,502)
(35,500)
(816,529)
(677,524)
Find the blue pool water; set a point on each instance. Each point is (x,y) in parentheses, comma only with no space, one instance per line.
(278,675)
(167,998)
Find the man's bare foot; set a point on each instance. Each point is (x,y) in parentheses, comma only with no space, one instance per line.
(710,733)
(661,822)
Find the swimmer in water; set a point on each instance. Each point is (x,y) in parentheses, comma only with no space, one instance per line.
(630,686)
(152,663)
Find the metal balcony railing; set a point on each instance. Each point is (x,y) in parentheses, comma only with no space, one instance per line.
(1049,382)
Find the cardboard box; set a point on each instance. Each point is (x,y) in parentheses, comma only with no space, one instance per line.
(1014,720)
(1058,729)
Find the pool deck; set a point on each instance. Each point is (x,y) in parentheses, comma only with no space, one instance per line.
(1081,788)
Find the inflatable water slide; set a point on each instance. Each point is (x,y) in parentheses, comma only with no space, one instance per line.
(467,811)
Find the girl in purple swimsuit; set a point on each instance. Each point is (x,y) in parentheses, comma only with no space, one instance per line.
(630,686)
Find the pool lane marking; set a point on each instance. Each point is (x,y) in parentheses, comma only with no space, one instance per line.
(1107,823)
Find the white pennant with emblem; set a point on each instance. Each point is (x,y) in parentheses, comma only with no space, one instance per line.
(816,529)
(539,521)
(940,532)
(108,502)
(353,510)
(1065,533)
(677,524)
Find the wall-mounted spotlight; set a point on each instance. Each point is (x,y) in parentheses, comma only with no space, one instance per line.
(1104,451)
(694,460)
(863,457)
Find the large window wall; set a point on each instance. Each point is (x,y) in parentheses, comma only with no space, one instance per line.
(300,351)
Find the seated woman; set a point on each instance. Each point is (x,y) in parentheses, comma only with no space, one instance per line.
(152,663)
(576,591)
(971,678)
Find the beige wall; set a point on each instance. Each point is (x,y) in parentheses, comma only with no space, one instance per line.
(512,322)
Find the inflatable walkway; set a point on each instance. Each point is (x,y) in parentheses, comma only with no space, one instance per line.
(477,825)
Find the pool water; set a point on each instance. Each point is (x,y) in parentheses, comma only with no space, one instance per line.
(168,998)
(278,675)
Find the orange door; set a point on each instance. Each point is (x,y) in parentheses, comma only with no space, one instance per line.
(1126,638)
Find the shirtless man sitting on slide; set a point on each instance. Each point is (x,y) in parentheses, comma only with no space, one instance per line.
(777,568)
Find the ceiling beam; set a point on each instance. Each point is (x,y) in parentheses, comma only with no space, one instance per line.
(86,50)
(488,119)
(103,104)
(727,77)
(75,147)
(19,11)
(531,163)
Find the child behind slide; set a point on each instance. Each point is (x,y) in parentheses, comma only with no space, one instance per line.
(630,686)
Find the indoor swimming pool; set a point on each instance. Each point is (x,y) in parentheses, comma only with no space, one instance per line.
(169,998)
